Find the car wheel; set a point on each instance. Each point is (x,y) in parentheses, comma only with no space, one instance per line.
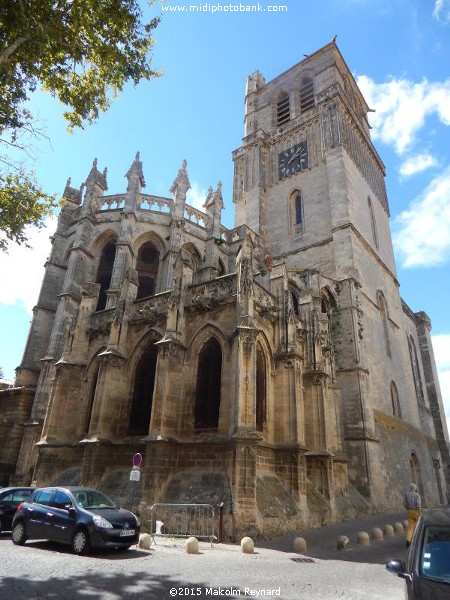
(80,542)
(19,536)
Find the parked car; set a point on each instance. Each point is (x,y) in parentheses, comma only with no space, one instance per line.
(10,498)
(427,568)
(82,517)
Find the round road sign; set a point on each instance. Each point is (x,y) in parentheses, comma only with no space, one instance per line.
(137,460)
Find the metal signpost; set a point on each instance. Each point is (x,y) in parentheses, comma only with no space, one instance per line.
(135,475)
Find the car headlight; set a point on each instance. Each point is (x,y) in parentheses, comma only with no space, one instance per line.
(101,522)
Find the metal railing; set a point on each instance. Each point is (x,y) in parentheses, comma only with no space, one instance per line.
(183,520)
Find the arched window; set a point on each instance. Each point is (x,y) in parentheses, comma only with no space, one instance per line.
(395,401)
(147,269)
(221,268)
(144,382)
(209,379)
(306,94)
(294,300)
(261,389)
(296,210)
(384,318)
(104,273)
(283,109)
(373,223)
(415,476)
(415,369)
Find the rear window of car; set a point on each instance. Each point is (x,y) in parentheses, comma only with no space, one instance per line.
(435,556)
(43,497)
(17,496)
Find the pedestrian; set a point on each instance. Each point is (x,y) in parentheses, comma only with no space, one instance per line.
(413,504)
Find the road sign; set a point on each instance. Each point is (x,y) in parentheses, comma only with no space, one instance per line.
(137,460)
(135,474)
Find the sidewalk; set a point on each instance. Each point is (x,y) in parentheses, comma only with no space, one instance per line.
(322,542)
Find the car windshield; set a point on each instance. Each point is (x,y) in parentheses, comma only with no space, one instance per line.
(435,558)
(93,499)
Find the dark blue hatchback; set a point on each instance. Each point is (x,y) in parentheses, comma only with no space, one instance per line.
(82,517)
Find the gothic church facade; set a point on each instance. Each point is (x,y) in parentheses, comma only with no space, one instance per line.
(273,367)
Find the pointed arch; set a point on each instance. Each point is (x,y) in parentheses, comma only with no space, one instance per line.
(294,295)
(192,259)
(104,271)
(384,319)
(415,474)
(296,212)
(147,267)
(143,386)
(261,388)
(396,411)
(208,385)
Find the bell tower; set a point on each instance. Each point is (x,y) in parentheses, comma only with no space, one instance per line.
(309,181)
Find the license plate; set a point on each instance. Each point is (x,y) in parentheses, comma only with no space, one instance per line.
(127,532)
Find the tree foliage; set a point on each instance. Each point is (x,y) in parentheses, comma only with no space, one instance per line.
(83,52)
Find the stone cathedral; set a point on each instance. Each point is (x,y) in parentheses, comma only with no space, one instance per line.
(273,367)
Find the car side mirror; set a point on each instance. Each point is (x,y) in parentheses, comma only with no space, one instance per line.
(399,568)
(72,511)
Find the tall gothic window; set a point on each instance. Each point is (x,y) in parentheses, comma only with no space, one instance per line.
(283,109)
(415,369)
(104,273)
(296,210)
(395,401)
(373,223)
(306,94)
(147,269)
(385,323)
(209,379)
(144,382)
(261,391)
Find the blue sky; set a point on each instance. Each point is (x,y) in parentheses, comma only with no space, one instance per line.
(398,51)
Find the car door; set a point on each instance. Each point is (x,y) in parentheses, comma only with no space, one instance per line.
(10,504)
(37,516)
(7,510)
(61,525)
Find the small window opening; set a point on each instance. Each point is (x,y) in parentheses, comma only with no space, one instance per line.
(283,109)
(307,94)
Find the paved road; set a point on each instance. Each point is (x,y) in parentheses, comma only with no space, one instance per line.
(47,571)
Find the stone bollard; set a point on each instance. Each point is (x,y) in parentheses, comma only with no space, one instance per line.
(247,545)
(406,524)
(343,542)
(398,527)
(299,545)
(388,530)
(363,538)
(377,534)
(145,541)
(191,546)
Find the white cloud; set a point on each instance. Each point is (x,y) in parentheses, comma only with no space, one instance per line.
(196,196)
(402,106)
(441,11)
(417,164)
(421,233)
(441,347)
(22,269)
